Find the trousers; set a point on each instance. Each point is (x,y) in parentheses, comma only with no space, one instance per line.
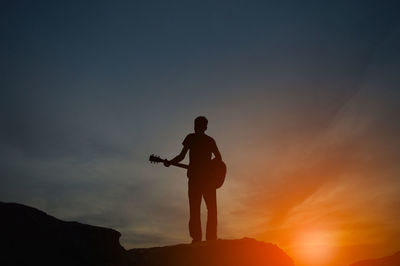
(198,189)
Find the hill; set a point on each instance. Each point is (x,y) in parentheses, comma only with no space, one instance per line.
(31,237)
(237,252)
(393,260)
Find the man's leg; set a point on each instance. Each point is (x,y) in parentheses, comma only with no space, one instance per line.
(210,197)
(194,205)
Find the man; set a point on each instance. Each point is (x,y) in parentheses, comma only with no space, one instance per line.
(200,147)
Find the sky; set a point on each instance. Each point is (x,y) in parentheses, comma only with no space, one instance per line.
(302,99)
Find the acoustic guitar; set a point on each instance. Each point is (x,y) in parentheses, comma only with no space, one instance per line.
(216,169)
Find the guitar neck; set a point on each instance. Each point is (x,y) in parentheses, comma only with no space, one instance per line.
(180,165)
(156,159)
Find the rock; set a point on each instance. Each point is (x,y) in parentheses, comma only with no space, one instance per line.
(31,237)
(240,252)
(393,260)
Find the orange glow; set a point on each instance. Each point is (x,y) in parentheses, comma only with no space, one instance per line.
(325,206)
(315,248)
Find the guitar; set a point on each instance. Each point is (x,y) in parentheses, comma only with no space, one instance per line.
(217,169)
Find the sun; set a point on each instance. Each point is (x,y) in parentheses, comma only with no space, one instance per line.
(315,247)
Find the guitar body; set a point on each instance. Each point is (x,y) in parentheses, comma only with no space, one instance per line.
(218,172)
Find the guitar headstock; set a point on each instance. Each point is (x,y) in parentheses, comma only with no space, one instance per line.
(155,159)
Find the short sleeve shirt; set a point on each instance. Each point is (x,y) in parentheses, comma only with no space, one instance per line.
(201,147)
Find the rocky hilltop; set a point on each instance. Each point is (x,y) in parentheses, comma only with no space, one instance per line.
(238,252)
(393,260)
(32,237)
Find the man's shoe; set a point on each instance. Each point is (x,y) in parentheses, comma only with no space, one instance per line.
(194,241)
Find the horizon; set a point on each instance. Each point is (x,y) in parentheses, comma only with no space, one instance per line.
(302,99)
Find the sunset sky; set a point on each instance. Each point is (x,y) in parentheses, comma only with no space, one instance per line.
(302,98)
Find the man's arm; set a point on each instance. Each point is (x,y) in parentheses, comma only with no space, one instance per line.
(216,153)
(178,158)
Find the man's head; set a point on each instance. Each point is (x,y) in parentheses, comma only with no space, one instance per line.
(200,124)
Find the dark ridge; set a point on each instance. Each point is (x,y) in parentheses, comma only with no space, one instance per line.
(238,252)
(393,260)
(31,237)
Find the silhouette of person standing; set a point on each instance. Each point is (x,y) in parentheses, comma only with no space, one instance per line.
(200,147)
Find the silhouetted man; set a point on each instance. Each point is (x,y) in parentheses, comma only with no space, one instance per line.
(200,147)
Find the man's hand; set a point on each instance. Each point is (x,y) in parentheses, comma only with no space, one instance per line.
(167,163)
